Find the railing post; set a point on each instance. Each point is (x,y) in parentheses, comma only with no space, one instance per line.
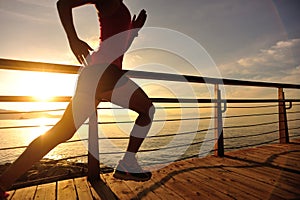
(283,125)
(93,148)
(219,138)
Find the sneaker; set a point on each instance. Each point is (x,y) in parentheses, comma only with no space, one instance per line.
(131,171)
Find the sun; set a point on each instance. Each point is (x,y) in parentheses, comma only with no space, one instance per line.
(43,87)
(43,97)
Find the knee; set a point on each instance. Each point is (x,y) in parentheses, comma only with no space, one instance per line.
(147,115)
(151,111)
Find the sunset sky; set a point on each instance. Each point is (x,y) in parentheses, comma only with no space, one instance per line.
(252,40)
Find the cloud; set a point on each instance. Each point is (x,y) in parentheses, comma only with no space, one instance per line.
(30,10)
(44,3)
(279,63)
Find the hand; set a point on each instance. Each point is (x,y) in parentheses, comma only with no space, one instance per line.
(140,21)
(80,49)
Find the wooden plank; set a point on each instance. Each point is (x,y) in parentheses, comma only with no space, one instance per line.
(83,189)
(279,186)
(205,188)
(102,190)
(287,176)
(118,187)
(156,185)
(178,178)
(140,190)
(183,189)
(265,172)
(46,191)
(211,183)
(265,157)
(25,193)
(230,180)
(279,150)
(259,186)
(66,190)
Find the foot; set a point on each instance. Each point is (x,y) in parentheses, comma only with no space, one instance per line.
(131,171)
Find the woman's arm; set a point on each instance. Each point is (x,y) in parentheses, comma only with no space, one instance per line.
(64,7)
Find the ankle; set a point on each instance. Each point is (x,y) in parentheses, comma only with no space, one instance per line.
(129,157)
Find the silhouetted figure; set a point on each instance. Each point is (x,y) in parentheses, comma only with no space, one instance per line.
(113,85)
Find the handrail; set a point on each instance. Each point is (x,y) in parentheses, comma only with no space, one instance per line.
(73,69)
(37,66)
(217,101)
(160,100)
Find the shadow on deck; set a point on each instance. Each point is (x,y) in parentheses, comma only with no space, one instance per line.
(266,172)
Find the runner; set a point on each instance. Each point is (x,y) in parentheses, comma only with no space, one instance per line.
(113,85)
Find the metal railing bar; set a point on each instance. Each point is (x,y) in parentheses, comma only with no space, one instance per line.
(255,114)
(72,157)
(175,134)
(250,125)
(33,99)
(176,146)
(207,80)
(294,128)
(263,106)
(260,100)
(29,112)
(294,112)
(105,108)
(251,145)
(251,115)
(251,135)
(73,69)
(38,66)
(258,124)
(155,100)
(17,127)
(12,148)
(297,119)
(294,135)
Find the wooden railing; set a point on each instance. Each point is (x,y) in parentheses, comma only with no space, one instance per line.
(219,103)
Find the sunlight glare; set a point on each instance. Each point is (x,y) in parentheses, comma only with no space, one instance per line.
(44,86)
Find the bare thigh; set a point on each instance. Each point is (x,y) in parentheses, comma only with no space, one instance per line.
(128,95)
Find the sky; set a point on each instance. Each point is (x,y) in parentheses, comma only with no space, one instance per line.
(249,40)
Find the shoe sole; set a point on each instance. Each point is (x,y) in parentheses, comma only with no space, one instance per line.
(128,177)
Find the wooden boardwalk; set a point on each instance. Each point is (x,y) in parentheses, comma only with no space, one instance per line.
(267,172)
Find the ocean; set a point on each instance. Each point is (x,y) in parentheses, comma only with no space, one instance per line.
(186,129)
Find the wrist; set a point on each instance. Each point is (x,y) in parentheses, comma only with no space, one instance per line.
(135,32)
(72,38)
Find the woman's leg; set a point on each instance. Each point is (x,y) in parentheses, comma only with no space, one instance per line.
(130,95)
(39,147)
(78,110)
